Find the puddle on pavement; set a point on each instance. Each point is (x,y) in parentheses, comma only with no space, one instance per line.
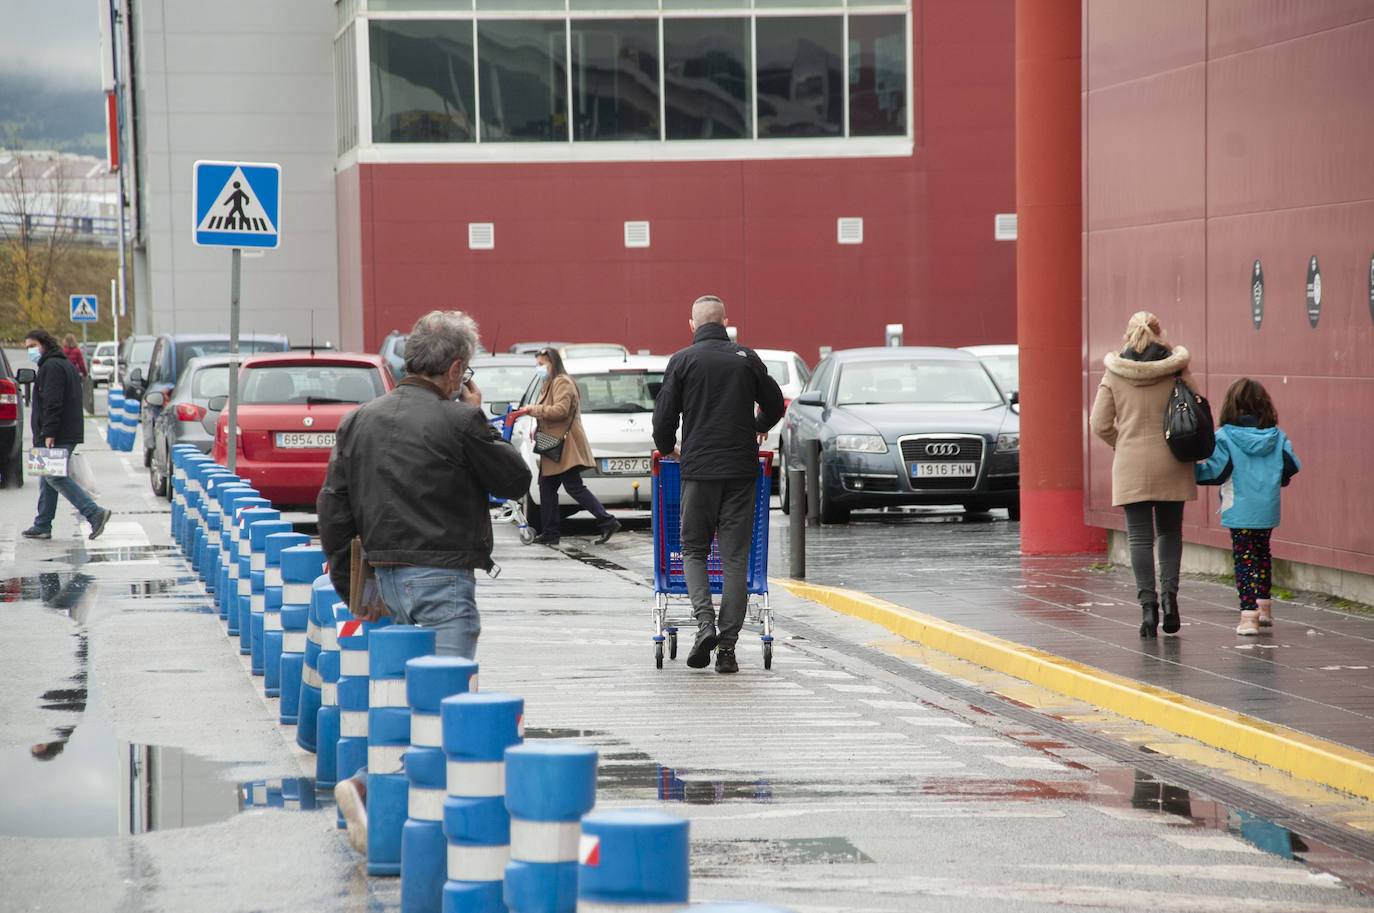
(124,554)
(730,854)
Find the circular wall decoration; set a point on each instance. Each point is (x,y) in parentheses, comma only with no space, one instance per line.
(1314,291)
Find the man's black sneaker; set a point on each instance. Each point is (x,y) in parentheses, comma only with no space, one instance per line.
(706,641)
(608,531)
(34,532)
(725,660)
(98,524)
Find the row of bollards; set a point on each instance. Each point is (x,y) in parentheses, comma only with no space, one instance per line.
(470,816)
(121,420)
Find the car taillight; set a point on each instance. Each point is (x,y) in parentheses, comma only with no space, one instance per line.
(190,412)
(786,401)
(9,400)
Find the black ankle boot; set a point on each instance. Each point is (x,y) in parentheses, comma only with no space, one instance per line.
(1149,619)
(1171,620)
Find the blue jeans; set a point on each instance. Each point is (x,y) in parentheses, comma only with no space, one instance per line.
(720,509)
(439,598)
(48,489)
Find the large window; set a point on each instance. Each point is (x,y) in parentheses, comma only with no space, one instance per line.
(706,75)
(661,71)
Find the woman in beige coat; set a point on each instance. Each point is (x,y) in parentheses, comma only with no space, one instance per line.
(1148,483)
(558,413)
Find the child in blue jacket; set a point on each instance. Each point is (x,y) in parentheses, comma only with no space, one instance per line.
(1253,459)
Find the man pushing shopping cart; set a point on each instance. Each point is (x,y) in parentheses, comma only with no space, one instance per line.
(714,385)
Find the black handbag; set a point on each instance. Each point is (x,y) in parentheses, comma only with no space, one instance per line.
(546,445)
(1188,427)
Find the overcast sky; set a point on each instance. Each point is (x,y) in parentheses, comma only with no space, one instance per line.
(56,39)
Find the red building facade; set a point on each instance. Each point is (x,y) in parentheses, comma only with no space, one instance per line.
(761,228)
(1227,142)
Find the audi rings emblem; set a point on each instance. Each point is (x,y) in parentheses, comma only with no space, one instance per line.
(942,449)
(308,421)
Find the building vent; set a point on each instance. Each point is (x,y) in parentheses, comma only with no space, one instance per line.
(481,235)
(1004,226)
(636,234)
(849,231)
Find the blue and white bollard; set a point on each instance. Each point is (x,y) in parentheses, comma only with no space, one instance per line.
(354,680)
(114,416)
(230,535)
(270,660)
(132,407)
(429,680)
(207,507)
(300,565)
(549,787)
(176,484)
(248,519)
(388,737)
(327,719)
(632,860)
(257,584)
(224,493)
(193,468)
(477,730)
(320,617)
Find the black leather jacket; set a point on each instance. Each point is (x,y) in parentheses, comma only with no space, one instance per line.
(410,473)
(713,384)
(56,408)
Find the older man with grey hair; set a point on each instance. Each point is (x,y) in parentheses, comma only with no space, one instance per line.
(410,474)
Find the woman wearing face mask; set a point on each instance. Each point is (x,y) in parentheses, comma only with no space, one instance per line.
(558,413)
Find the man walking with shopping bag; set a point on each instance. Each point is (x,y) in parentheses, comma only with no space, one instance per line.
(57,421)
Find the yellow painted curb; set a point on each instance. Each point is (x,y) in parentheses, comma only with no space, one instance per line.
(1285,749)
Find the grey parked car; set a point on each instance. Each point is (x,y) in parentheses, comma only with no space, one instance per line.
(185,416)
(906,425)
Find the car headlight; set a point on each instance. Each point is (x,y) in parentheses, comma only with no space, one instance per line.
(860,443)
(1009,442)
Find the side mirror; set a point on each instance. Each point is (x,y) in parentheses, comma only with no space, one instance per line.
(136,376)
(25,376)
(156,398)
(811,398)
(498,408)
(1016,397)
(217,403)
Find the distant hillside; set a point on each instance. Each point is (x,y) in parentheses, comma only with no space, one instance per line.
(37,115)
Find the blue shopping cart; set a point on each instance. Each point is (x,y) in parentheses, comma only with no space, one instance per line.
(504,509)
(669,579)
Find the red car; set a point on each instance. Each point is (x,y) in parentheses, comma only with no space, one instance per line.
(290,405)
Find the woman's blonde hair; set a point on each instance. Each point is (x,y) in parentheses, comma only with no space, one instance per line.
(1141,330)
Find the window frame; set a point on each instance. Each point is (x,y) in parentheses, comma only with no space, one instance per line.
(660,149)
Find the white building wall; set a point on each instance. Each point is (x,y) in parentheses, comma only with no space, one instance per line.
(246,81)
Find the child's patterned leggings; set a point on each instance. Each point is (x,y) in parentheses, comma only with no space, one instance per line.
(1250,549)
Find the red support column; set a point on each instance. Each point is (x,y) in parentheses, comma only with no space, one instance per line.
(1049,275)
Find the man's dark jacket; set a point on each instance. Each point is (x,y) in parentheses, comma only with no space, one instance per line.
(713,385)
(56,407)
(410,473)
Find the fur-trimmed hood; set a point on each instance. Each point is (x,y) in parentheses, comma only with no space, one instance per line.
(1142,373)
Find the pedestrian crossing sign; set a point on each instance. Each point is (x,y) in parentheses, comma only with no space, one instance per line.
(85,308)
(237,204)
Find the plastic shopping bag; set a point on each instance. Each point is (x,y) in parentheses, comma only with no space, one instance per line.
(79,469)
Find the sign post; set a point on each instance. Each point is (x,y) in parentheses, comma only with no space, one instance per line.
(236,205)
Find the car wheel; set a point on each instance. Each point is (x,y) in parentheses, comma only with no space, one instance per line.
(147,456)
(157,480)
(14,473)
(830,511)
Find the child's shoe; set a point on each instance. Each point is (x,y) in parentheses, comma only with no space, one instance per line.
(1266,612)
(1249,623)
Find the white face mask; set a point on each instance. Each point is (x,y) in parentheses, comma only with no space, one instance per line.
(544,371)
(35,354)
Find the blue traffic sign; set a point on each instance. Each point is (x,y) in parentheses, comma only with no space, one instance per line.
(237,204)
(85,308)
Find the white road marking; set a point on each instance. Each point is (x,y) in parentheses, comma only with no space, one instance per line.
(1025,761)
(1212,843)
(1268,874)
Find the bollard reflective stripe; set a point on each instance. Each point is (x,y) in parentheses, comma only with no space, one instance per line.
(272,575)
(257,561)
(477,863)
(545,841)
(311,676)
(329,638)
(271,621)
(477,778)
(291,641)
(426,804)
(329,694)
(387,692)
(353,663)
(295,593)
(384,759)
(353,723)
(426,730)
